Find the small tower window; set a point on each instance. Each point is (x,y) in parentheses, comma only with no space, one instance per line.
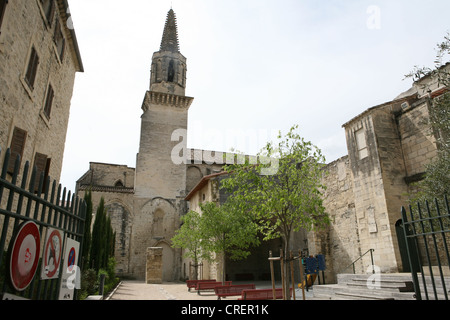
(171,74)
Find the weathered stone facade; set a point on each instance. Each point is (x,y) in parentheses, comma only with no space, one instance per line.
(39,58)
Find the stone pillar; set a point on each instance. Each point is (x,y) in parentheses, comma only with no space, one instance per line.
(154,271)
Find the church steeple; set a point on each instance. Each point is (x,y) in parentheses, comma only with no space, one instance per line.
(159,173)
(170,36)
(169,69)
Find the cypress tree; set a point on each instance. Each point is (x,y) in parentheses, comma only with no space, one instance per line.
(98,239)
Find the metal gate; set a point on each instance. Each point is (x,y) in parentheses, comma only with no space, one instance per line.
(47,206)
(427,238)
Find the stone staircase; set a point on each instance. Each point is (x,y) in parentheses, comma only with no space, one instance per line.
(398,286)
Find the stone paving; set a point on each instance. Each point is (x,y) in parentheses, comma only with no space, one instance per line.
(138,290)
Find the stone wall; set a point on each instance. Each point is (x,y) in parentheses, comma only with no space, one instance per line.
(340,242)
(418,144)
(154,266)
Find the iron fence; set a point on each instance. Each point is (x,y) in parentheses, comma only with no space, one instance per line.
(46,206)
(427,243)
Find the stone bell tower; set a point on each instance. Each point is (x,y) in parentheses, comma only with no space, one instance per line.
(160,181)
(165,114)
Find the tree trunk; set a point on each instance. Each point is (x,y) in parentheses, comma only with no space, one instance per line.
(195,273)
(223,269)
(286,268)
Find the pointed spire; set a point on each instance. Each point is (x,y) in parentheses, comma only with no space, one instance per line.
(170,36)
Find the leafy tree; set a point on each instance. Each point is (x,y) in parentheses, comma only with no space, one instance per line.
(290,199)
(189,237)
(218,231)
(226,232)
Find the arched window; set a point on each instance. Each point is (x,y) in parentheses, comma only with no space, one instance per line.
(171,74)
(158,223)
(119,183)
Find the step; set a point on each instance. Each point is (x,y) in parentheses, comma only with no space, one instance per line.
(383,277)
(398,286)
(358,296)
(345,292)
(384,284)
(356,287)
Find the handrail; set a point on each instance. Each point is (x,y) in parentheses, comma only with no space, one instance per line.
(353,263)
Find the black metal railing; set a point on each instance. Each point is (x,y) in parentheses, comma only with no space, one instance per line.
(47,206)
(360,257)
(427,248)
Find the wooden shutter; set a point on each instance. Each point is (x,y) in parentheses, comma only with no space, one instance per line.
(41,164)
(49,7)
(17,147)
(49,101)
(32,68)
(59,40)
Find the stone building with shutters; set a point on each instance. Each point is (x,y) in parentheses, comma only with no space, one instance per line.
(39,58)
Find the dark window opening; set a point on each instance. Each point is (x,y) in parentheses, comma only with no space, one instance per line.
(33,63)
(171,74)
(49,102)
(3,4)
(60,42)
(42,164)
(49,10)
(119,184)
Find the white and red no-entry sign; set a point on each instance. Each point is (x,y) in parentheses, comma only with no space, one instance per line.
(51,257)
(25,256)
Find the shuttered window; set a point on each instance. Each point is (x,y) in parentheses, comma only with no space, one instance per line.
(3,4)
(33,63)
(60,42)
(49,10)
(49,102)
(42,164)
(17,147)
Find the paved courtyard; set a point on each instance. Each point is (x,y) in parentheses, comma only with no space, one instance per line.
(138,290)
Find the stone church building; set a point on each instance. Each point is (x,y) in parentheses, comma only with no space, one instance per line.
(388,147)
(145,203)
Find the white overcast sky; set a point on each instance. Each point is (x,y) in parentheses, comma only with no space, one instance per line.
(254,67)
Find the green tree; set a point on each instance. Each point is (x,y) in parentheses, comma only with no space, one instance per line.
(99,245)
(226,232)
(189,238)
(288,200)
(103,239)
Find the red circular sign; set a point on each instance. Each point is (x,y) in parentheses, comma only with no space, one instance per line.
(71,259)
(25,256)
(52,256)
